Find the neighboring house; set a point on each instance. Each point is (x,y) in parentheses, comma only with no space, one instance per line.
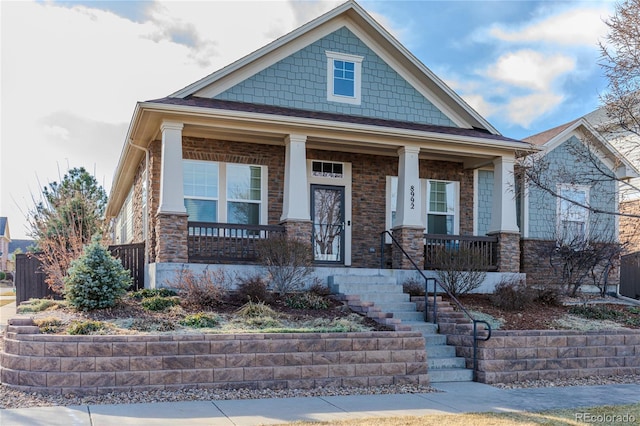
(331,134)
(577,168)
(628,144)
(23,246)
(5,239)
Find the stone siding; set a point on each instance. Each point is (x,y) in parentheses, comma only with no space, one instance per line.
(508,252)
(101,364)
(172,238)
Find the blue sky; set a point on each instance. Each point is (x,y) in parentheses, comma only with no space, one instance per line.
(71,72)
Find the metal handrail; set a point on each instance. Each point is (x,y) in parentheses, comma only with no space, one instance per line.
(435,309)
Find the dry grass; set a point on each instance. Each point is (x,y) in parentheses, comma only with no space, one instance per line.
(550,418)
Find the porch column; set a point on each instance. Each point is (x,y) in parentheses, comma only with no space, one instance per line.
(409,230)
(296,217)
(503,215)
(171,218)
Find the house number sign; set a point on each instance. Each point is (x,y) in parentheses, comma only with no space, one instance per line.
(412,192)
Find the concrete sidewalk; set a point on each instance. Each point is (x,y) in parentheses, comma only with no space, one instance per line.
(456,398)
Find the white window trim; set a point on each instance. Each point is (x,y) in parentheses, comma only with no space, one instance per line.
(357,90)
(456,204)
(424,189)
(222,191)
(567,186)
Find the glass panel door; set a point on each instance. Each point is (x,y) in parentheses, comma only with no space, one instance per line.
(327,210)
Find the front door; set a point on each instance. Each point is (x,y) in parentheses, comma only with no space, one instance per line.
(327,215)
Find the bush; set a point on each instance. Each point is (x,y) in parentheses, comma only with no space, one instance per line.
(158,303)
(287,261)
(512,295)
(201,320)
(259,309)
(39,305)
(3,276)
(96,279)
(48,324)
(319,289)
(548,296)
(460,269)
(306,301)
(86,327)
(413,287)
(152,292)
(254,288)
(206,290)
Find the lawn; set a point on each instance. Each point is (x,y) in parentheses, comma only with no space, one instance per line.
(621,414)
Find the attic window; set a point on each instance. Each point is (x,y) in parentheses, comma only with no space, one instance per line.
(326,169)
(344,77)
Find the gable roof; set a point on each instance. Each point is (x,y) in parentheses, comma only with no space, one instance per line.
(552,138)
(354,17)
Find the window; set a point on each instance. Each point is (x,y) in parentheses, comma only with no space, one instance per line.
(243,194)
(325,169)
(344,77)
(441,212)
(124,222)
(572,216)
(225,192)
(441,207)
(200,180)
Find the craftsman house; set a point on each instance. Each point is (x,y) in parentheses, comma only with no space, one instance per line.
(563,201)
(331,134)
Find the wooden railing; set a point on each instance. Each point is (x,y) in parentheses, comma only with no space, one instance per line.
(227,242)
(478,251)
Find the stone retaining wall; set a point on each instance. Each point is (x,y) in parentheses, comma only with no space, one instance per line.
(99,364)
(512,356)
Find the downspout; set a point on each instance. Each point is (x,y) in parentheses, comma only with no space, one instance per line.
(146,204)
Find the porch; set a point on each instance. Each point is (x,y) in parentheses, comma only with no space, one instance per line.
(225,243)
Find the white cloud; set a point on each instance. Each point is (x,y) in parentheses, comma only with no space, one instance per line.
(523,110)
(56,132)
(571,27)
(530,69)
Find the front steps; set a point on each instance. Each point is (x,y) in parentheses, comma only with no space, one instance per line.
(381,298)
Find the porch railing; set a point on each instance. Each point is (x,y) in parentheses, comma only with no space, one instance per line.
(227,242)
(481,252)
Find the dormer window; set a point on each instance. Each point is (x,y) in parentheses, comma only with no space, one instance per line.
(344,77)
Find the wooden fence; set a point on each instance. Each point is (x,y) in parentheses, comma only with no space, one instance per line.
(30,280)
(630,275)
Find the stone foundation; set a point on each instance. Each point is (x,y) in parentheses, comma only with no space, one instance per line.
(101,364)
(508,252)
(171,238)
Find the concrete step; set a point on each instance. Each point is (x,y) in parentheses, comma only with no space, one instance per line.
(444,363)
(367,287)
(396,306)
(450,375)
(356,279)
(435,339)
(387,298)
(423,327)
(440,351)
(409,315)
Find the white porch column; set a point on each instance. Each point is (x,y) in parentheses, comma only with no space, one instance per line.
(409,195)
(503,214)
(171,187)
(295,203)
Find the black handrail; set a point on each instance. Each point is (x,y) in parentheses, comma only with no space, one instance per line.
(435,309)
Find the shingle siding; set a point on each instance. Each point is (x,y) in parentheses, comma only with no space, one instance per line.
(485,200)
(300,81)
(566,166)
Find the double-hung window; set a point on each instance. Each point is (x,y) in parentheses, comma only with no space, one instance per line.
(201,190)
(344,77)
(441,207)
(573,215)
(440,210)
(225,192)
(243,194)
